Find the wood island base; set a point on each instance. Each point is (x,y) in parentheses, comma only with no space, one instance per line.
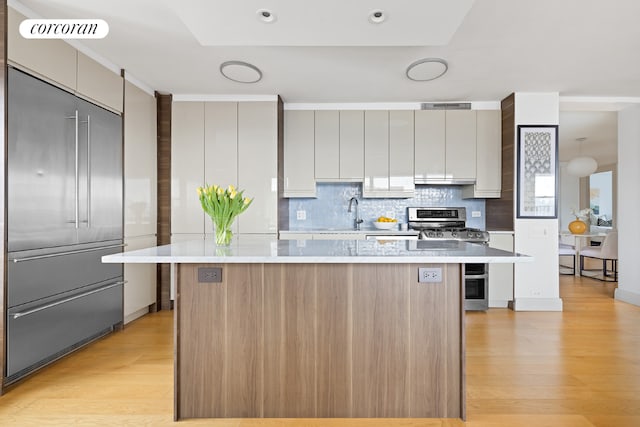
(319,340)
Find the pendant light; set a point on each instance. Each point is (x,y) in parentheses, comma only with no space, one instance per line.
(582,166)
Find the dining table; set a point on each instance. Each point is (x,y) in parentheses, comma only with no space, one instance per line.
(579,242)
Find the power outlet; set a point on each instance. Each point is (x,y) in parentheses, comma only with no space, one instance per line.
(301,215)
(476,214)
(210,275)
(430,275)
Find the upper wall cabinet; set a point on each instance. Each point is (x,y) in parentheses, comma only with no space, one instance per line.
(339,146)
(98,83)
(299,177)
(58,62)
(54,60)
(327,145)
(388,164)
(445,146)
(352,145)
(488,157)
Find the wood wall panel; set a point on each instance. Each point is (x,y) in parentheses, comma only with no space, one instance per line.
(454,344)
(244,344)
(334,334)
(428,336)
(500,212)
(380,340)
(164,195)
(289,369)
(203,354)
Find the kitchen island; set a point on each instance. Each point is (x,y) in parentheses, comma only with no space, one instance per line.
(268,328)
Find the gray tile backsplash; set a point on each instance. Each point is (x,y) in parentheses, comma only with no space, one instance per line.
(329,209)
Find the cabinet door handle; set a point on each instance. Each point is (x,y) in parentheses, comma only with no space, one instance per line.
(88,171)
(65,300)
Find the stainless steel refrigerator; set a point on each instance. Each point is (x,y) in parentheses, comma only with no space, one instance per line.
(64,212)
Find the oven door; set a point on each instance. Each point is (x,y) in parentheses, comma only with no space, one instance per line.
(476,281)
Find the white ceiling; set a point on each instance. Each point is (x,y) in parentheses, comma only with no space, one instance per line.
(579,48)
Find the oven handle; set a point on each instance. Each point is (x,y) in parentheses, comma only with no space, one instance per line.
(476,276)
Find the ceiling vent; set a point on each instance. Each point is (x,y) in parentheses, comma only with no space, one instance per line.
(445,106)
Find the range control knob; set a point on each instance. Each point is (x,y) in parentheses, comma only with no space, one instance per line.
(454,234)
(431,234)
(439,234)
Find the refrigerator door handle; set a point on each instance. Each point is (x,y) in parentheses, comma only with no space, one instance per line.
(76,221)
(65,300)
(88,171)
(31,258)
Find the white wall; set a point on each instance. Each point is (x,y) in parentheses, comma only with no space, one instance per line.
(569,197)
(536,284)
(628,205)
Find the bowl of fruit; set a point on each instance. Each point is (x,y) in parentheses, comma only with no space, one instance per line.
(385,223)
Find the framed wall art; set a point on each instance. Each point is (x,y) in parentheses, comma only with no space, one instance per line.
(537,184)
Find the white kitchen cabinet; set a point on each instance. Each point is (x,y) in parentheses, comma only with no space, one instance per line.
(53,60)
(339,236)
(488,156)
(187,166)
(445,147)
(460,147)
(299,163)
(429,160)
(352,145)
(500,275)
(258,165)
(140,286)
(327,145)
(388,151)
(220,149)
(98,83)
(376,153)
(140,163)
(401,152)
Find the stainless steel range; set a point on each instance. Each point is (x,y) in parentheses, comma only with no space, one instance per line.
(443,225)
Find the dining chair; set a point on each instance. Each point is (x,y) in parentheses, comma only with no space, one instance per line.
(565,250)
(606,252)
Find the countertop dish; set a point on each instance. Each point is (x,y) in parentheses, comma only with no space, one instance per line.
(252,249)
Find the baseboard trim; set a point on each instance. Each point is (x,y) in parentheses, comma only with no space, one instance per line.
(135,315)
(499,303)
(536,304)
(627,296)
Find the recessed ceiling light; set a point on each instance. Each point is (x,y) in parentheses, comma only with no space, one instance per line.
(266,16)
(427,69)
(377,16)
(241,72)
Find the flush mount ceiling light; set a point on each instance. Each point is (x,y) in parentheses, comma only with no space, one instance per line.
(377,16)
(241,72)
(266,16)
(427,69)
(582,166)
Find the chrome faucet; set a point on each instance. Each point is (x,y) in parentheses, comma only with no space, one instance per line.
(358,220)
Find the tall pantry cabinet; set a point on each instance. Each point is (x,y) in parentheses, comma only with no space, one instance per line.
(224,143)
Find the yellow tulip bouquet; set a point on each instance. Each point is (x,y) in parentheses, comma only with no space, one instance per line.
(223,206)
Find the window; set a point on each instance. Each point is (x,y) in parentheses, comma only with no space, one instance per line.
(601,198)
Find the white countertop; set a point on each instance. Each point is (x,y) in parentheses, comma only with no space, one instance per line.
(255,249)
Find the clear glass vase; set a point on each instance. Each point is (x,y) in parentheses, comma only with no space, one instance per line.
(223,234)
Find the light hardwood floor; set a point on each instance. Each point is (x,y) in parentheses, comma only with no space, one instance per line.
(578,368)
